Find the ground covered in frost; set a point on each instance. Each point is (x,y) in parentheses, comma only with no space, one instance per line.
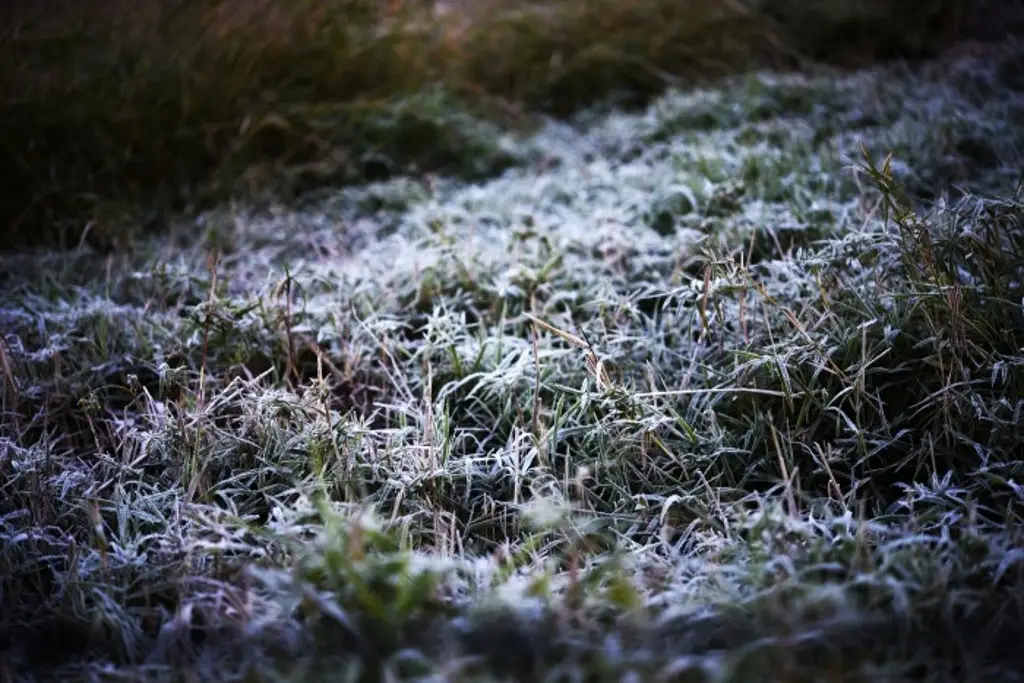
(712,391)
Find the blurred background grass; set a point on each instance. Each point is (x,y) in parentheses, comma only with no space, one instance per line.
(116,110)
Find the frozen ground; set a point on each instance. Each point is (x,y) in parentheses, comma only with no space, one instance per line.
(688,395)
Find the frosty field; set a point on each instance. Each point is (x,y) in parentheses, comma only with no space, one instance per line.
(713,390)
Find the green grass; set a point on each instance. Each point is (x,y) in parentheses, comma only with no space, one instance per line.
(713,390)
(118,112)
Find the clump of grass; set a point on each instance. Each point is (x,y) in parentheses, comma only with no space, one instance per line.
(714,395)
(170,105)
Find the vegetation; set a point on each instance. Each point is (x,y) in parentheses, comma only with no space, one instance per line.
(725,387)
(120,110)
